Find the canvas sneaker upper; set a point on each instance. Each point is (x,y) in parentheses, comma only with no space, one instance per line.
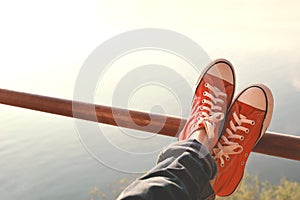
(213,95)
(246,122)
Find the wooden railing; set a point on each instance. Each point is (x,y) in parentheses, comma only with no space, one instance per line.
(274,144)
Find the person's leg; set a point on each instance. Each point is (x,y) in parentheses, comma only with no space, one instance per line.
(184,169)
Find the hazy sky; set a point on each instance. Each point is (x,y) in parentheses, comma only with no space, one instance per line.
(44,43)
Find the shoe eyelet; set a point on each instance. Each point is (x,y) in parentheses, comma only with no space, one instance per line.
(242,138)
(203,101)
(246,155)
(242,163)
(228,158)
(201,107)
(247,130)
(204,93)
(222,164)
(253,122)
(206,85)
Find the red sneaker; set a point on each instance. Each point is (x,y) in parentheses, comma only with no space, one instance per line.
(246,122)
(213,96)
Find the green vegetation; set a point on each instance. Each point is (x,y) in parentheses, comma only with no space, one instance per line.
(117,188)
(253,189)
(250,189)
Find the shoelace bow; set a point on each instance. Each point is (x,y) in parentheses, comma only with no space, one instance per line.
(212,113)
(228,147)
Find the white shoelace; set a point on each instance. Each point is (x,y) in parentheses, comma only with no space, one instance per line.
(214,114)
(228,147)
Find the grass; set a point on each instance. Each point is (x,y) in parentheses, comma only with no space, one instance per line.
(250,189)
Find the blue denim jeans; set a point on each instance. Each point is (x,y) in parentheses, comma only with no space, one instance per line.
(183,171)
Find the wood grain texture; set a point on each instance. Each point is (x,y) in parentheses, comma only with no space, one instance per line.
(274,144)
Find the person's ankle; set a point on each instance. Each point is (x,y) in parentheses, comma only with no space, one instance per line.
(201,136)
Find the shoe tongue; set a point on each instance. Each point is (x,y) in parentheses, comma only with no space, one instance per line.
(208,123)
(210,129)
